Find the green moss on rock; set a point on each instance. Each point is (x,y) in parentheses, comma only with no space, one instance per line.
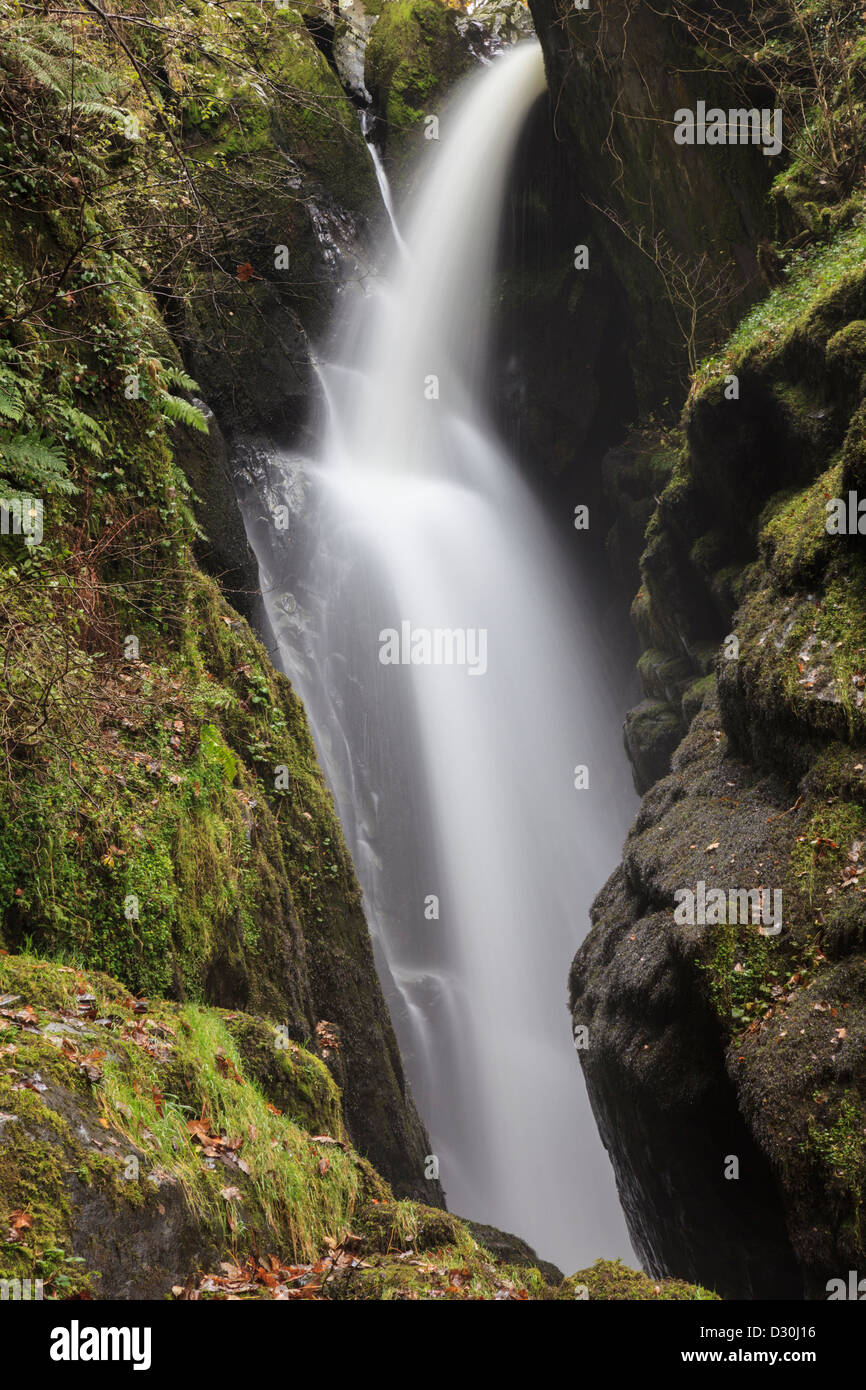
(612,1281)
(414,56)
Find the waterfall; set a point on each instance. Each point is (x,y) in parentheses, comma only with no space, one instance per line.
(455,780)
(381,177)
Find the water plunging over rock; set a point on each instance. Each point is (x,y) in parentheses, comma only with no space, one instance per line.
(477,854)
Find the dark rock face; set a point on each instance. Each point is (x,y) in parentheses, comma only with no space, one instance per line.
(560,334)
(655,1065)
(708,1042)
(222,551)
(141,1253)
(617,73)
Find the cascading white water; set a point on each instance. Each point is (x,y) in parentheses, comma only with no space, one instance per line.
(454,784)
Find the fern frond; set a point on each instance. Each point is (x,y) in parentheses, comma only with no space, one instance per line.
(38,460)
(102,83)
(175,408)
(87,432)
(178,377)
(11,404)
(47,71)
(97,108)
(53,34)
(48,54)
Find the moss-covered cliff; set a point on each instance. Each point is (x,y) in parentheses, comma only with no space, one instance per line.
(163,814)
(681,231)
(414,56)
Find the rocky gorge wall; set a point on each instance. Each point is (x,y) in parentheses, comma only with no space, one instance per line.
(708,1041)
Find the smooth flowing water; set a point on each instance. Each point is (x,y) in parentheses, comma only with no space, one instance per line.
(455,782)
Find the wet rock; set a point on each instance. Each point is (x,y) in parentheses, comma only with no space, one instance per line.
(652,730)
(510,1249)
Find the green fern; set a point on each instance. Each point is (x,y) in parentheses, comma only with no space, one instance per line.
(37,461)
(176,408)
(101,108)
(178,377)
(87,432)
(11,400)
(48,70)
(11,404)
(54,34)
(48,54)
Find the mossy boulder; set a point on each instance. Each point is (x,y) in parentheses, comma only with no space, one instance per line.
(846,350)
(652,731)
(694,696)
(151,1149)
(136,1147)
(612,1281)
(388,1226)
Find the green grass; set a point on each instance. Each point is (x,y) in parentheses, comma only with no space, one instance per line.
(285,1194)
